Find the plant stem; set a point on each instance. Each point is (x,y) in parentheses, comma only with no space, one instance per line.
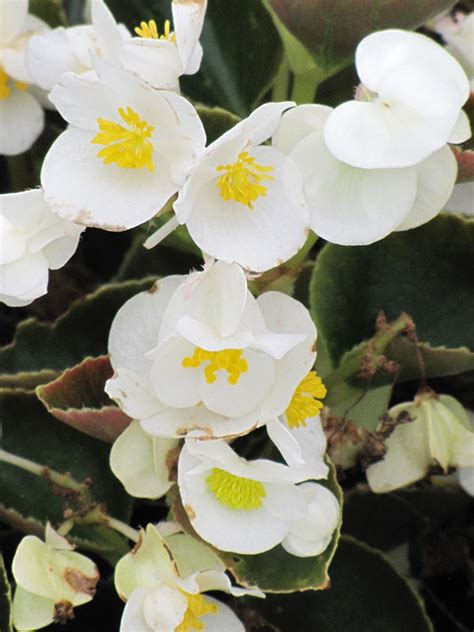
(305,86)
(123,528)
(66,481)
(282,82)
(375,347)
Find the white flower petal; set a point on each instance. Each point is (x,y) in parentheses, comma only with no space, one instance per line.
(298,123)
(462,129)
(466,479)
(138,460)
(12,19)
(177,422)
(351,206)
(22,122)
(284,314)
(134,330)
(435,183)
(31,612)
(236,400)
(188,20)
(407,459)
(155,61)
(109,35)
(250,532)
(311,535)
(13,242)
(134,394)
(174,384)
(224,619)
(133,618)
(258,238)
(49,55)
(21,276)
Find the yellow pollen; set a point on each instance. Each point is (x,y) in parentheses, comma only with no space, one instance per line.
(242,180)
(229,360)
(197,607)
(5,91)
(127,147)
(20,85)
(234,491)
(304,403)
(149,30)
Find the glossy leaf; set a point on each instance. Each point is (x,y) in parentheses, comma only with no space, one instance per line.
(331,30)
(425,272)
(366,593)
(82,331)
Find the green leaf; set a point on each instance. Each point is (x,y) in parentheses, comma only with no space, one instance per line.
(28,501)
(6,624)
(51,11)
(425,272)
(82,331)
(276,570)
(366,595)
(363,406)
(216,121)
(331,30)
(77,397)
(242,50)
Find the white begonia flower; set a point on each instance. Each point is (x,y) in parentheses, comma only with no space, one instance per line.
(199,353)
(141,462)
(50,55)
(127,150)
(458,32)
(440,434)
(413,90)
(33,241)
(250,507)
(21,115)
(163,59)
(298,433)
(353,206)
(51,580)
(160,600)
(244,202)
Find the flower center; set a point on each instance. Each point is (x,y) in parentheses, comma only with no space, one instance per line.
(128,146)
(229,360)
(304,403)
(234,491)
(197,607)
(5,89)
(149,30)
(242,180)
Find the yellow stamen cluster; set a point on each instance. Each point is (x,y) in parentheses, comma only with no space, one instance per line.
(242,180)
(304,403)
(5,90)
(149,30)
(197,607)
(234,491)
(229,360)
(128,146)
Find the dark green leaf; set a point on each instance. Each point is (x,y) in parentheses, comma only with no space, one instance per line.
(51,11)
(77,397)
(426,272)
(6,624)
(331,30)
(83,331)
(366,595)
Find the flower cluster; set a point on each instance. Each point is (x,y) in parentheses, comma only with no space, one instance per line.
(198,361)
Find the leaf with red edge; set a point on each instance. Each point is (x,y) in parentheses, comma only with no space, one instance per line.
(77,398)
